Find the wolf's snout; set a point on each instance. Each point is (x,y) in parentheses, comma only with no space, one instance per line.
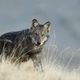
(38,43)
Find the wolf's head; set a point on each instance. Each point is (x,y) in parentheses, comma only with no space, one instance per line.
(40,32)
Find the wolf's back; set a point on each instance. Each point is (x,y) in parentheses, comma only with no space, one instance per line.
(8,40)
(13,35)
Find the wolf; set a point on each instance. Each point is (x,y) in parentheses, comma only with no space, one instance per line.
(26,44)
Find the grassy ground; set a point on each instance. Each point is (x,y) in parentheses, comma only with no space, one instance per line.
(26,71)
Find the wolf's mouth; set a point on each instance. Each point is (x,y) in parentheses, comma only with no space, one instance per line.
(40,43)
(43,41)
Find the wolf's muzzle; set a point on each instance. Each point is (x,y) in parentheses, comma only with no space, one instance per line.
(38,43)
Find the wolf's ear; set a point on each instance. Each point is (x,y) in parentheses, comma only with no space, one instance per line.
(47,25)
(34,23)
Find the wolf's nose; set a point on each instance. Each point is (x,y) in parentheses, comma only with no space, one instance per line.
(38,43)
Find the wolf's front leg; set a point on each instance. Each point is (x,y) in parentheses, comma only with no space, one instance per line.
(37,62)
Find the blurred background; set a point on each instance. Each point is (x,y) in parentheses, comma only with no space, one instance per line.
(63,14)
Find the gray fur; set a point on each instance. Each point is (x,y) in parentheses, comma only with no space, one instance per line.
(25,44)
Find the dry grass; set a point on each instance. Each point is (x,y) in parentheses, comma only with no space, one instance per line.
(26,71)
